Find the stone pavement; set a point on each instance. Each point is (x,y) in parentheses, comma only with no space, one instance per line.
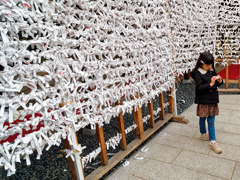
(178,153)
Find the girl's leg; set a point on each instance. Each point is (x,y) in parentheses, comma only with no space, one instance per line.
(202,125)
(211,127)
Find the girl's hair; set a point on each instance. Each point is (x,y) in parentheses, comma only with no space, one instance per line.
(205,58)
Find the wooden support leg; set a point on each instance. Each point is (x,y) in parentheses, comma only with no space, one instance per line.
(121,129)
(71,165)
(75,173)
(150,110)
(101,141)
(161,104)
(138,121)
(170,101)
(227,72)
(180,119)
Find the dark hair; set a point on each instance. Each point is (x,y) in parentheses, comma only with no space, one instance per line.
(204,58)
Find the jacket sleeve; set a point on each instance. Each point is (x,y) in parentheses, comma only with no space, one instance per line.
(200,85)
(219,83)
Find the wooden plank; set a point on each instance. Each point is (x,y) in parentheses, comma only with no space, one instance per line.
(121,128)
(170,101)
(233,81)
(100,171)
(180,119)
(219,60)
(101,141)
(228,90)
(137,116)
(150,110)
(161,104)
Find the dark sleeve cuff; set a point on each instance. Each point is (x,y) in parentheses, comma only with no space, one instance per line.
(219,83)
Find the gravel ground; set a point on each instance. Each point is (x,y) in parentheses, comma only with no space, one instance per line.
(53,164)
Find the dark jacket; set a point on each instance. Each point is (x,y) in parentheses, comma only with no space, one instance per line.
(204,93)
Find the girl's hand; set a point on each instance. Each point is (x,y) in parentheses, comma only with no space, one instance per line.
(219,78)
(213,79)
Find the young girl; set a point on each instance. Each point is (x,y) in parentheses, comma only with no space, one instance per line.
(207,97)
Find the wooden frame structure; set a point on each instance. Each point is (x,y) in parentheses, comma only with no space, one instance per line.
(141,135)
(227,80)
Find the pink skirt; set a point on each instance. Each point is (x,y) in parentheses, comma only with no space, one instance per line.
(205,110)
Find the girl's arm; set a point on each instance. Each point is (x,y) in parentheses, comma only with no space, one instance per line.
(200,85)
(219,80)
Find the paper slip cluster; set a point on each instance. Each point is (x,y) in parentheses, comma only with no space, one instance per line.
(66,63)
(228,31)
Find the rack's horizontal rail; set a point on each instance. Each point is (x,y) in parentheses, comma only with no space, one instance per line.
(228,90)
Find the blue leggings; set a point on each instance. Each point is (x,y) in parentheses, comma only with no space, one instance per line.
(211,127)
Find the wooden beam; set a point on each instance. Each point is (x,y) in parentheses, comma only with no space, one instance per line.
(72,167)
(137,116)
(161,104)
(233,81)
(100,171)
(228,90)
(170,101)
(101,141)
(180,119)
(227,71)
(121,128)
(150,110)
(219,60)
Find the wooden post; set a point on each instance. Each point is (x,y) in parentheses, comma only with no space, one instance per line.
(121,128)
(161,104)
(138,121)
(101,141)
(170,101)
(150,110)
(227,71)
(71,166)
(75,167)
(174,100)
